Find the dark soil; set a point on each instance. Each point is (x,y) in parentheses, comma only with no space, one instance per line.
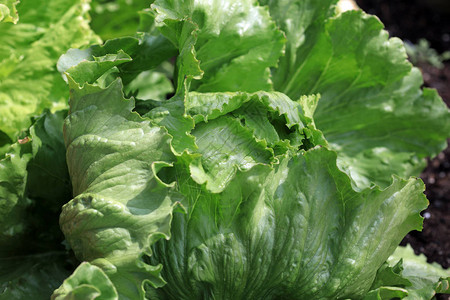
(413,20)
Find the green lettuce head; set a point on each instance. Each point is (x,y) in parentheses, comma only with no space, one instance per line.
(272,157)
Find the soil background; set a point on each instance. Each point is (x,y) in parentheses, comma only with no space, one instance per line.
(412,20)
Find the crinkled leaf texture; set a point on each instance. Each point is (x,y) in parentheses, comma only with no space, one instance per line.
(295,231)
(426,279)
(277,225)
(88,282)
(8,11)
(409,276)
(121,206)
(219,41)
(271,207)
(371,111)
(29,51)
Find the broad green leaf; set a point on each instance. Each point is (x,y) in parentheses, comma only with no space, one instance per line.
(131,56)
(427,279)
(301,21)
(205,31)
(121,205)
(8,11)
(408,276)
(372,110)
(233,131)
(90,70)
(88,282)
(29,50)
(390,276)
(271,116)
(170,114)
(294,231)
(226,147)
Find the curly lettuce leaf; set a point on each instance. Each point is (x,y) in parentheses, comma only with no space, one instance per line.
(301,21)
(372,110)
(426,279)
(409,276)
(121,205)
(291,231)
(220,128)
(131,58)
(29,50)
(88,282)
(205,31)
(268,213)
(8,11)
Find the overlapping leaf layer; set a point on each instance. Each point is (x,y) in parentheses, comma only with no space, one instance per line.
(276,167)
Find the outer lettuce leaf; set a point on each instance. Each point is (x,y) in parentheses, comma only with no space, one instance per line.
(301,21)
(372,110)
(426,279)
(131,56)
(171,115)
(268,215)
(254,241)
(29,51)
(86,283)
(140,60)
(409,276)
(8,11)
(391,275)
(121,206)
(92,67)
(34,183)
(205,31)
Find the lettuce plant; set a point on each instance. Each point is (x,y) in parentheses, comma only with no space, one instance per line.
(274,158)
